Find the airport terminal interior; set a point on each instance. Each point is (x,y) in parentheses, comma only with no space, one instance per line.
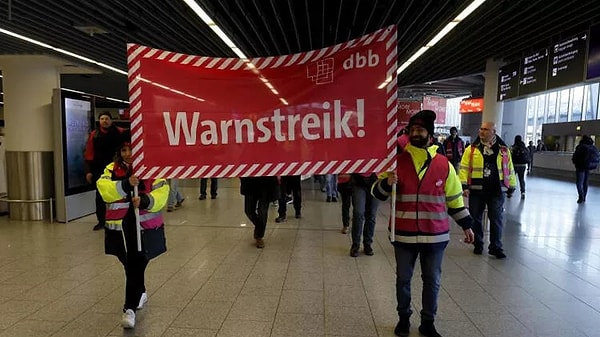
(56,281)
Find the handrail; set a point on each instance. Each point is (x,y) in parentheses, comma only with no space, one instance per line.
(49,200)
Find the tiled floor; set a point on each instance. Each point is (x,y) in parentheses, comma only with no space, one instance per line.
(56,281)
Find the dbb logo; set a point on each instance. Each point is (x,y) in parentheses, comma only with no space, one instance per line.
(360,61)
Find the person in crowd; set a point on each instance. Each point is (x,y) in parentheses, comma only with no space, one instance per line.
(540,146)
(454,147)
(175,196)
(402,140)
(344,186)
(520,157)
(439,146)
(585,158)
(100,150)
(428,190)
(331,188)
(486,173)
(289,185)
(116,187)
(321,179)
(531,148)
(214,184)
(364,213)
(258,193)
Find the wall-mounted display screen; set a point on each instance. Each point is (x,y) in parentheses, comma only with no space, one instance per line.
(593,62)
(534,70)
(567,61)
(508,81)
(76,127)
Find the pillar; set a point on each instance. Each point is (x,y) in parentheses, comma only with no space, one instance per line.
(492,109)
(28,82)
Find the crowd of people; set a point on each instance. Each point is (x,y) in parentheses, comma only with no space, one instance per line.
(432,183)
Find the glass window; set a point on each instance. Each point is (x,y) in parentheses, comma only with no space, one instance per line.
(551,117)
(576,104)
(563,106)
(541,109)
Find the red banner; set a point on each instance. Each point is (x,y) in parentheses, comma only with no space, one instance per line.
(308,113)
(437,105)
(406,109)
(471,105)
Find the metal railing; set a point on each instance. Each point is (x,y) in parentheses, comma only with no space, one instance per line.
(49,201)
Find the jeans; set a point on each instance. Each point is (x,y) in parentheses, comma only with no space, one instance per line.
(214,183)
(174,195)
(582,182)
(293,185)
(331,187)
(135,264)
(494,202)
(257,210)
(364,213)
(431,256)
(520,170)
(346,202)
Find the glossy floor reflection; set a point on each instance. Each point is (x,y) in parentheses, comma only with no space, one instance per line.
(56,281)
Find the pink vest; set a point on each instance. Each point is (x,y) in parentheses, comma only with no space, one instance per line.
(421,205)
(148,220)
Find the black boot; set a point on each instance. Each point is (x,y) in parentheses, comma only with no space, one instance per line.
(428,329)
(403,327)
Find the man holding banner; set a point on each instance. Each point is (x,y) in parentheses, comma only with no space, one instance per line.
(427,190)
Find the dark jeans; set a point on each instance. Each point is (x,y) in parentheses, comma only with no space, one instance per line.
(214,183)
(520,170)
(581,177)
(363,215)
(494,202)
(346,202)
(290,184)
(135,266)
(257,210)
(431,256)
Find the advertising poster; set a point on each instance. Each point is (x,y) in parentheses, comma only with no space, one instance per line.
(325,111)
(406,109)
(77,128)
(437,105)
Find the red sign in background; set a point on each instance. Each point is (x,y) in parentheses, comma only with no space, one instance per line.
(471,105)
(438,105)
(406,109)
(315,112)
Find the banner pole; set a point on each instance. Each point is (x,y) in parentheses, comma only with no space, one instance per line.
(393,215)
(138,226)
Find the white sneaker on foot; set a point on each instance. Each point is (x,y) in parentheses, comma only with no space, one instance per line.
(128,319)
(143,301)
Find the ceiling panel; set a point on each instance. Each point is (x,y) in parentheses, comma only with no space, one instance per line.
(502,29)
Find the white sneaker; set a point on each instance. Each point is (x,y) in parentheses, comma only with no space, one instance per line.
(143,301)
(128,319)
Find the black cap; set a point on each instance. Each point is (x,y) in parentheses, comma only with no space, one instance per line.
(424,118)
(105,113)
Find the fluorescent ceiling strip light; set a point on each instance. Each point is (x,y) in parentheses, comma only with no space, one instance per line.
(211,23)
(442,33)
(62,51)
(87,93)
(463,15)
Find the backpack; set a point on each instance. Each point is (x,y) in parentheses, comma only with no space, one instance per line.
(593,157)
(520,154)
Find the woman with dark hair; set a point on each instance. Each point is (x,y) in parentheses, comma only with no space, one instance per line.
(116,187)
(520,158)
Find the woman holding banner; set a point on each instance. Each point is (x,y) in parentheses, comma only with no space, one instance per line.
(115,186)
